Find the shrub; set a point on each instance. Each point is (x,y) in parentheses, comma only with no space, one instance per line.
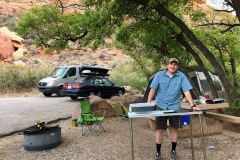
(7,21)
(17,78)
(127,74)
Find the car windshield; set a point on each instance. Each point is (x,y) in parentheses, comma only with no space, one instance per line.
(58,72)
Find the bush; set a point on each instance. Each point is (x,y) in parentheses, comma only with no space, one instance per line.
(7,21)
(128,74)
(17,78)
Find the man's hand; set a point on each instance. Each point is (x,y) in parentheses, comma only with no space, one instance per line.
(195,108)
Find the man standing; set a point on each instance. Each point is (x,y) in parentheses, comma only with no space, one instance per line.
(167,86)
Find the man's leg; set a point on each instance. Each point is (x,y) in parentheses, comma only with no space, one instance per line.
(175,124)
(161,125)
(159,138)
(174,137)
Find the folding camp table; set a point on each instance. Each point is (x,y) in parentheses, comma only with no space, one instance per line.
(138,110)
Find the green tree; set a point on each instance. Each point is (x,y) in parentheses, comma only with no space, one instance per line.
(155,29)
(52,29)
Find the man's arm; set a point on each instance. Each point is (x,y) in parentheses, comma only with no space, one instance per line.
(190,100)
(150,95)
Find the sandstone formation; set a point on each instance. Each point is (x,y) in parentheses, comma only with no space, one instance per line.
(11,45)
(97,103)
(6,47)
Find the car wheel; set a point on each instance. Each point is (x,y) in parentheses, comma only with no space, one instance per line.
(60,91)
(73,97)
(92,94)
(99,94)
(47,94)
(120,92)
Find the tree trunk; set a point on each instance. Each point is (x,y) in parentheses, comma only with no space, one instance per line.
(236,7)
(181,40)
(229,89)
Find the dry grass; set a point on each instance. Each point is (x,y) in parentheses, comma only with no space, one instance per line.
(22,93)
(115,144)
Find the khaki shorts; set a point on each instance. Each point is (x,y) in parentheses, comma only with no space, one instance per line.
(174,121)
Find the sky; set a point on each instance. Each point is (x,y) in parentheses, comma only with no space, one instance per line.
(218,4)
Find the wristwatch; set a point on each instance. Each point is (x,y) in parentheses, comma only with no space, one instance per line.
(193,106)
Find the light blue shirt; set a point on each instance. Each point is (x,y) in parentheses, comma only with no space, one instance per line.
(168,89)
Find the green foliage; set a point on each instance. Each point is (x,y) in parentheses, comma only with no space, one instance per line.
(225,48)
(21,78)
(235,104)
(148,31)
(50,27)
(234,108)
(197,16)
(16,79)
(129,74)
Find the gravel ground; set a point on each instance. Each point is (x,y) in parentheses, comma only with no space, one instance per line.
(115,144)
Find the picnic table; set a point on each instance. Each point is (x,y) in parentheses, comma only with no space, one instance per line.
(212,121)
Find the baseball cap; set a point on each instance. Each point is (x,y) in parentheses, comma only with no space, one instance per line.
(173,60)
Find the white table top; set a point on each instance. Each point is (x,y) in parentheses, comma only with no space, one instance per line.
(161,113)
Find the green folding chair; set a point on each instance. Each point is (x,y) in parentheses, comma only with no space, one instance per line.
(120,110)
(89,121)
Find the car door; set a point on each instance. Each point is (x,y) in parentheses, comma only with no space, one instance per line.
(99,86)
(70,75)
(109,88)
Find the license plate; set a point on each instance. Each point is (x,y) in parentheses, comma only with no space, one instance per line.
(69,87)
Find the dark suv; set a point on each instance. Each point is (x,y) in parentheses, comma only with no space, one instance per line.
(92,83)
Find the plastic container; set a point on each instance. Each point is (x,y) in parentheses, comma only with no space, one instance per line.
(185,120)
(142,107)
(74,123)
(206,95)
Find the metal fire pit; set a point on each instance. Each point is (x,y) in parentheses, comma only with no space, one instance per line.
(42,139)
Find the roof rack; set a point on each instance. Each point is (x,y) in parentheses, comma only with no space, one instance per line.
(93,74)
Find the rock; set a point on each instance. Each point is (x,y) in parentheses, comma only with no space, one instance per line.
(17,44)
(126,99)
(98,103)
(115,99)
(9,42)
(137,98)
(13,36)
(6,47)
(128,88)
(200,1)
(19,63)
(19,53)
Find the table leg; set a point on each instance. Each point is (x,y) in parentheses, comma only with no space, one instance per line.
(203,143)
(131,136)
(191,138)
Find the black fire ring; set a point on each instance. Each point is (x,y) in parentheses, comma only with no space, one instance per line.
(43,139)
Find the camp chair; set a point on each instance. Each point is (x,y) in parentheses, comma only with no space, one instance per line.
(88,120)
(120,110)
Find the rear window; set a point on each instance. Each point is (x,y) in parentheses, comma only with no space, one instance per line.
(83,79)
